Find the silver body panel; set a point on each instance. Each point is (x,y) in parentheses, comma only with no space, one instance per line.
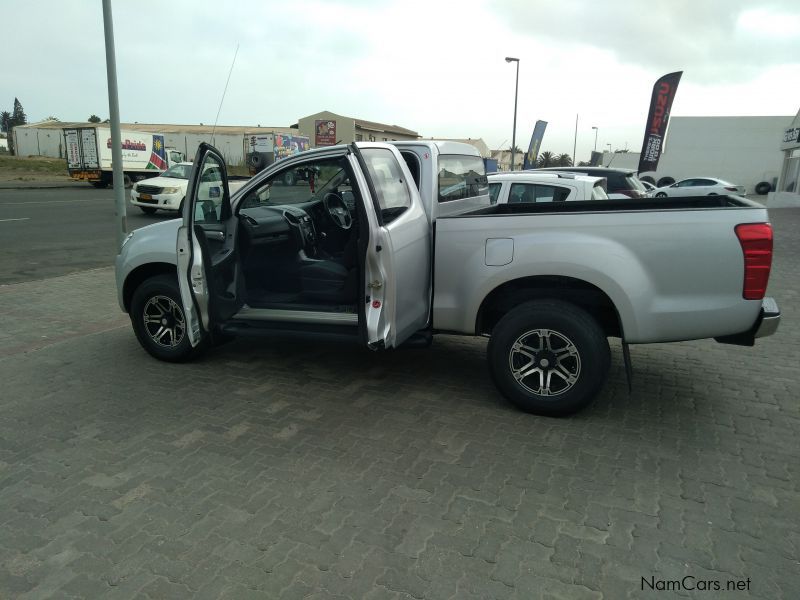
(671,274)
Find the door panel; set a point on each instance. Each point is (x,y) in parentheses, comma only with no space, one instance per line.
(209,272)
(398,259)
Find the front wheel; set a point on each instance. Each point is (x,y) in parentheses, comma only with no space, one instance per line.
(661,195)
(549,357)
(148,210)
(158,319)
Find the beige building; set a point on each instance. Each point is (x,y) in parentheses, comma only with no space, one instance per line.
(503,158)
(326,129)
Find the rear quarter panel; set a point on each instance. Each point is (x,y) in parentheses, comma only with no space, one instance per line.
(671,274)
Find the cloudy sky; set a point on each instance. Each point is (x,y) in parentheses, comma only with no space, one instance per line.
(434,66)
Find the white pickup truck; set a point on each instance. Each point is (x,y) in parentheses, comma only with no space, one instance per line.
(392,243)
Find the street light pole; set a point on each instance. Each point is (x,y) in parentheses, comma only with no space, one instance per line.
(595,138)
(514,131)
(116,134)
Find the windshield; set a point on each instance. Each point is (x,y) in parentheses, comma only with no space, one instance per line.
(308,182)
(178,172)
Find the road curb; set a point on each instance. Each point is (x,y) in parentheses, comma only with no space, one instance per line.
(39,186)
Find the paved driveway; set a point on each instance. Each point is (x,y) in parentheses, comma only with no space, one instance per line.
(305,470)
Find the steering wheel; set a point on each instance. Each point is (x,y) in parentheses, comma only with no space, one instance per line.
(337,210)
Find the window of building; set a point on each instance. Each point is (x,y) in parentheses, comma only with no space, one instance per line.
(359,137)
(372,138)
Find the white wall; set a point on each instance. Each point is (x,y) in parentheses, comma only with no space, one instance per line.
(742,150)
(30,141)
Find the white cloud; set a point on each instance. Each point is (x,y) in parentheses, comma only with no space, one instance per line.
(436,67)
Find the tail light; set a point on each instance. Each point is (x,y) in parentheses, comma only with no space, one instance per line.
(630,193)
(731,188)
(756,241)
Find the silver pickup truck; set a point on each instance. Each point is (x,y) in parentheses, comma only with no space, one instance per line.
(391,243)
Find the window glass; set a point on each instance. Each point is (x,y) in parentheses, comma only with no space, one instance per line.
(494,192)
(598,193)
(529,192)
(461,176)
(210,191)
(685,183)
(302,183)
(703,182)
(394,197)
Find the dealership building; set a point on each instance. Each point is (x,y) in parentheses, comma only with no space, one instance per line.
(323,129)
(743,150)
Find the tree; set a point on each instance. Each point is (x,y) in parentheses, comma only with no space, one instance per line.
(564,160)
(515,149)
(93,119)
(19,117)
(52,118)
(5,121)
(546,159)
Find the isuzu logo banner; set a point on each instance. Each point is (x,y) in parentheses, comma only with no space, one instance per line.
(660,107)
(536,142)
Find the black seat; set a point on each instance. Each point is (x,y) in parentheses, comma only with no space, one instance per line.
(329,282)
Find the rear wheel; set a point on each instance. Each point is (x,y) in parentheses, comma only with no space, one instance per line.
(549,357)
(148,210)
(158,319)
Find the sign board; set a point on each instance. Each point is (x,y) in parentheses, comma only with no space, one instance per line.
(261,142)
(89,147)
(73,149)
(657,120)
(791,135)
(324,133)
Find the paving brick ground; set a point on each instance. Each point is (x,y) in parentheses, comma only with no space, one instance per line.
(314,471)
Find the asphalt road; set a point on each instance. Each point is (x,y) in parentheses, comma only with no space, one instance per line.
(50,232)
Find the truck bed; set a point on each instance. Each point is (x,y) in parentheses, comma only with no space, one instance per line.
(673,268)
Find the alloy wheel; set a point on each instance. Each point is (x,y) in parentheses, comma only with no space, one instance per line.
(545,362)
(164,321)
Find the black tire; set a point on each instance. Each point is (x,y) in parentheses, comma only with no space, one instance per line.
(289,178)
(257,161)
(661,195)
(763,188)
(584,355)
(148,210)
(161,293)
(665,181)
(648,179)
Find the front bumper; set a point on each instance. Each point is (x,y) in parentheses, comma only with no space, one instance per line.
(766,324)
(161,201)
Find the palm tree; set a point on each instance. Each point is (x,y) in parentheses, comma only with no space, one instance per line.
(546,159)
(564,160)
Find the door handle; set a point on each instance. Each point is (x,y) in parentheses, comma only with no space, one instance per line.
(215,235)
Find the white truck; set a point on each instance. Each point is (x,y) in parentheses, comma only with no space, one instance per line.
(143,155)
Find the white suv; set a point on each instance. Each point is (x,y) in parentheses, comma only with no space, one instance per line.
(527,187)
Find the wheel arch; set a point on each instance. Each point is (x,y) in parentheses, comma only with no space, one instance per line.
(587,296)
(142,273)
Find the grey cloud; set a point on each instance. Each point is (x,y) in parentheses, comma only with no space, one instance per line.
(697,36)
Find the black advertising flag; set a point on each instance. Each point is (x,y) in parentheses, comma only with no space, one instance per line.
(533,148)
(660,108)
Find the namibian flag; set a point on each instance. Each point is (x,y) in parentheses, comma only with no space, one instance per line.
(158,157)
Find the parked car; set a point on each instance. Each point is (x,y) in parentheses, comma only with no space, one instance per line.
(649,187)
(547,283)
(165,192)
(527,186)
(621,183)
(699,186)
